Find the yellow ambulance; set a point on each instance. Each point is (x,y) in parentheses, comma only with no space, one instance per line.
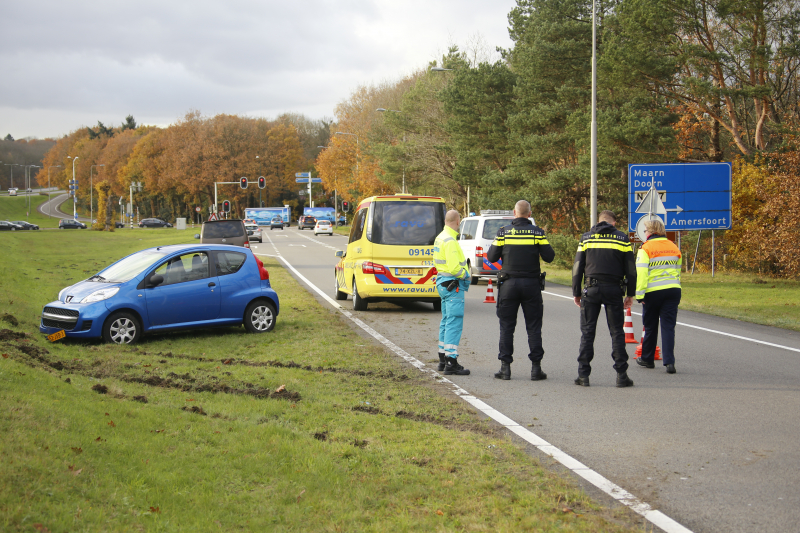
(389,255)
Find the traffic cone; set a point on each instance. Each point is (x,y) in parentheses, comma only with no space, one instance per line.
(628,328)
(489,294)
(638,352)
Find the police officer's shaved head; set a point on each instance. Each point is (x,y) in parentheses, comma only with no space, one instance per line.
(522,209)
(608,216)
(452,219)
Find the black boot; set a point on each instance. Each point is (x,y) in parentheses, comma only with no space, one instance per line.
(536,373)
(453,368)
(583,382)
(442,362)
(504,372)
(623,380)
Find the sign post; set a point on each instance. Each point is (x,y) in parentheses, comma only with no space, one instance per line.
(305,177)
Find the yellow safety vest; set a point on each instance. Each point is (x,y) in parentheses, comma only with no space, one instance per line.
(658,266)
(448,258)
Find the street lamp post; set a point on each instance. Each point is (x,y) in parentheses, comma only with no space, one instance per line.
(12,165)
(593,197)
(49,206)
(28,187)
(91,192)
(75,190)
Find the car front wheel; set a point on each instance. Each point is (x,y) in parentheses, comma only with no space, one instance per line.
(338,293)
(121,328)
(259,317)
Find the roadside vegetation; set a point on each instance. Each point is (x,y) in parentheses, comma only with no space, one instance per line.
(308,428)
(15,207)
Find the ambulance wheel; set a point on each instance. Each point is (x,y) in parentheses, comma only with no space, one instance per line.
(338,294)
(437,306)
(359,304)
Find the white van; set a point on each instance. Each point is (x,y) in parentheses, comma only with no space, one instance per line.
(475,235)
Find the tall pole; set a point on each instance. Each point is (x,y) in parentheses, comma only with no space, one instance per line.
(593,199)
(49,207)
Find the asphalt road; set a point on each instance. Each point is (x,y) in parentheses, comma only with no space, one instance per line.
(714,447)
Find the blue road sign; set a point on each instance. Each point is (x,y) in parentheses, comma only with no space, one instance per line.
(303,175)
(695,195)
(305,180)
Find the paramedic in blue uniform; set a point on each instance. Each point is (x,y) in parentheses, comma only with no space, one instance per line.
(452,282)
(520,245)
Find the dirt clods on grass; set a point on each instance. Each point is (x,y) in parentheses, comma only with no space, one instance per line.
(194,409)
(8,335)
(323,436)
(140,398)
(11,319)
(100,389)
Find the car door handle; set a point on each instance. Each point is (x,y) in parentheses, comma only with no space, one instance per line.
(212,284)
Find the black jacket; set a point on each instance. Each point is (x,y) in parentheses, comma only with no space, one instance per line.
(520,245)
(604,254)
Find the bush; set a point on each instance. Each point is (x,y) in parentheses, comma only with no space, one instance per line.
(565,247)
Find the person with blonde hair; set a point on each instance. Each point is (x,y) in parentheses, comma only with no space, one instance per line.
(658,288)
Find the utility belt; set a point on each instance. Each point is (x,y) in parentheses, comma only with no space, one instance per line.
(503,276)
(594,282)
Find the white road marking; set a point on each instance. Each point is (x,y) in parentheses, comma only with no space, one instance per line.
(312,239)
(615,491)
(765,343)
(301,245)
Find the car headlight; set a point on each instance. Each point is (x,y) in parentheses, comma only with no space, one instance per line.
(102,294)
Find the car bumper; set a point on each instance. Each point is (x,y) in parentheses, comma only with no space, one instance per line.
(88,324)
(374,287)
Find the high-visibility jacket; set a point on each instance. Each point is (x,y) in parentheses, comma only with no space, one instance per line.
(604,254)
(448,258)
(520,245)
(658,266)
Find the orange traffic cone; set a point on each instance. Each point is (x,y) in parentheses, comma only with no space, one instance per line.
(628,328)
(489,294)
(638,352)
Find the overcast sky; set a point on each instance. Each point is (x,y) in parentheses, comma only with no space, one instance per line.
(65,64)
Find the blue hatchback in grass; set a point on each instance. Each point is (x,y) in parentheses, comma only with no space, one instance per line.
(164,288)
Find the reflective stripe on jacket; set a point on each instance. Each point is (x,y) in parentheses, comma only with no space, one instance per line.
(448,258)
(520,245)
(605,254)
(658,266)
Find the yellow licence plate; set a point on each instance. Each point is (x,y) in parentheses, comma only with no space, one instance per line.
(56,336)
(407,271)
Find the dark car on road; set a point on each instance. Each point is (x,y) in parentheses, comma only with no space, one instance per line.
(307,222)
(276,222)
(166,288)
(154,223)
(119,224)
(24,224)
(68,223)
(230,232)
(5,225)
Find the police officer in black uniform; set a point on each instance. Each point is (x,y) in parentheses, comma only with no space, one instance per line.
(520,282)
(605,259)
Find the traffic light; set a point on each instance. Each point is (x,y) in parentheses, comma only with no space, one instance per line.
(262,182)
(345,206)
(226,205)
(243,183)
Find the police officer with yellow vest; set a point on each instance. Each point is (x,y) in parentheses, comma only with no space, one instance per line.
(520,284)
(658,266)
(605,259)
(452,282)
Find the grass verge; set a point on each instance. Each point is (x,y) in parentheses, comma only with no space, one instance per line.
(745,297)
(307,428)
(15,208)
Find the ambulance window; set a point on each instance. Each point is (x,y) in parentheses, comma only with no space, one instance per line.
(358,225)
(467,231)
(411,223)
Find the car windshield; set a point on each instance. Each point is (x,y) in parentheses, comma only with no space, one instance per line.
(492,225)
(130,267)
(224,229)
(408,223)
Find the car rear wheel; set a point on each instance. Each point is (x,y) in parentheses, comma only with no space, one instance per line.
(121,328)
(437,306)
(259,317)
(359,304)
(337,293)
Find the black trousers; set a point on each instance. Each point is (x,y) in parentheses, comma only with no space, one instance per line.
(611,296)
(660,306)
(512,294)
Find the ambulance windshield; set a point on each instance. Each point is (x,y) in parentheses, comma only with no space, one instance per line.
(408,223)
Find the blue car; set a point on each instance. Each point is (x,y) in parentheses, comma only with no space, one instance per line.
(166,288)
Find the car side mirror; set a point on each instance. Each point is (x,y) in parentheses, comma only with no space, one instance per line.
(196,235)
(155,280)
(340,253)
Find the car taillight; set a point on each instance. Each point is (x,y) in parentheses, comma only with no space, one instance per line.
(247,245)
(368,267)
(479,252)
(261,270)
